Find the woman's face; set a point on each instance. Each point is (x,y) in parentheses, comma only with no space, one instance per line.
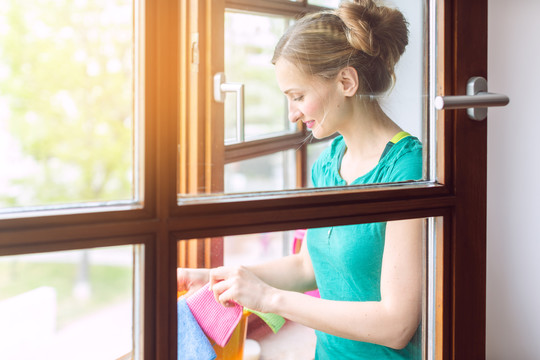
(317,103)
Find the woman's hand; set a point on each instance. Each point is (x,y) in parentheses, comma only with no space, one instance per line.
(191,280)
(239,285)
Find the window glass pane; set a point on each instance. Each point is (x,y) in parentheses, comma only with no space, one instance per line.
(271,172)
(348,267)
(406,101)
(255,248)
(249,43)
(66,102)
(53,304)
(249,46)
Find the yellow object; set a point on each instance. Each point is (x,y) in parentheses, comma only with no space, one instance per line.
(234,350)
(400,135)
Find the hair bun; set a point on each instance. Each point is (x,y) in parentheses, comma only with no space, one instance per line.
(378,31)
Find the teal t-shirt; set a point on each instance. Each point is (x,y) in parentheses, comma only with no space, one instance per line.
(347,260)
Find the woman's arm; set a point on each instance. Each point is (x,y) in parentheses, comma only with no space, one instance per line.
(292,273)
(390,322)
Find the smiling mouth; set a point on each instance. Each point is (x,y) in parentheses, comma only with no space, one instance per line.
(310,123)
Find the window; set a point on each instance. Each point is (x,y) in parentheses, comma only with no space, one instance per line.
(291,339)
(68,102)
(52,303)
(255,122)
(215,218)
(72,99)
(169,183)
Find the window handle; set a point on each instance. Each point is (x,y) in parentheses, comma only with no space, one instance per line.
(476,101)
(220,89)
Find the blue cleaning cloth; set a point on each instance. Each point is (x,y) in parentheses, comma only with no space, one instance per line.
(192,343)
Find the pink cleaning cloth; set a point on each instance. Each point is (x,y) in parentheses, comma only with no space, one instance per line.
(217,321)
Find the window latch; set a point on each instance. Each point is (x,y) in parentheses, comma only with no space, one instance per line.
(220,89)
(476,101)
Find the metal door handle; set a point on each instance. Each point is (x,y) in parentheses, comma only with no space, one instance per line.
(476,101)
(220,88)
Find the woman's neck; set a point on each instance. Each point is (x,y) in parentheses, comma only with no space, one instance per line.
(368,131)
(366,135)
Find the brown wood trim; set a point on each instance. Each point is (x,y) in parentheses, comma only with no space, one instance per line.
(470,174)
(81,216)
(70,236)
(282,224)
(31,246)
(302,171)
(443,289)
(148,125)
(445,158)
(167,297)
(168,17)
(464,273)
(214,126)
(309,214)
(444,86)
(309,208)
(281,200)
(150,312)
(261,147)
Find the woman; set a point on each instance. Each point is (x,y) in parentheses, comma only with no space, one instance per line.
(333,66)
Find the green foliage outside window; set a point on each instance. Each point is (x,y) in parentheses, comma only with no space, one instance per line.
(66,101)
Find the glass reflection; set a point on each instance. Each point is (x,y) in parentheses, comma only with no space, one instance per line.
(270,172)
(249,43)
(248,60)
(356,267)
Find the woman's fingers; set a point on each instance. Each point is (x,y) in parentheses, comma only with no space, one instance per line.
(225,293)
(190,280)
(222,280)
(236,285)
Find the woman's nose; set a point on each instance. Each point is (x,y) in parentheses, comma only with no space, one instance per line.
(294,114)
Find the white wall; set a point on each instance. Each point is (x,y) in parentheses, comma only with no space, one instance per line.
(405,102)
(513,255)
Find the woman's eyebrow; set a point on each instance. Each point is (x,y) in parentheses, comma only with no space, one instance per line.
(288,91)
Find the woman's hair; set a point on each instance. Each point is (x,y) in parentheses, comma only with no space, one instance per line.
(360,34)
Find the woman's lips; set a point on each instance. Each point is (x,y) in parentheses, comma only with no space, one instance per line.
(310,123)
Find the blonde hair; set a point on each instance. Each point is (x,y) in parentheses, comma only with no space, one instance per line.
(361,34)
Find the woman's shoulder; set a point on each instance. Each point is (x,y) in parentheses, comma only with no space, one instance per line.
(405,160)
(410,146)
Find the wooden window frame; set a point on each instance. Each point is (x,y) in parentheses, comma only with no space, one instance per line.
(461,143)
(459,196)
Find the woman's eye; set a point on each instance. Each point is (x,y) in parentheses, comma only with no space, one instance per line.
(299,98)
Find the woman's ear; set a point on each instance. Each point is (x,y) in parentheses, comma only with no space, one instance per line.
(348,77)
